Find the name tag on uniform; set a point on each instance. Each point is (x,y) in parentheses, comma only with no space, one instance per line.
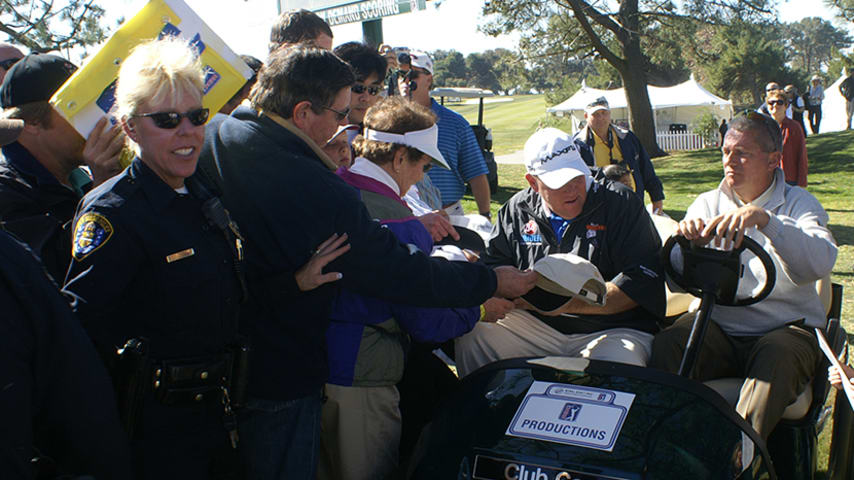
(180,255)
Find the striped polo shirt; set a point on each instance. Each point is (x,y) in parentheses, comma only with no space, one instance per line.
(460,149)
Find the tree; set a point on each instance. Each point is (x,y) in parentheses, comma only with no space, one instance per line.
(844,8)
(578,28)
(449,68)
(481,73)
(740,58)
(812,43)
(43,25)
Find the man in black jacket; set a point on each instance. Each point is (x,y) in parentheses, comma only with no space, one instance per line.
(40,182)
(565,211)
(281,190)
(56,400)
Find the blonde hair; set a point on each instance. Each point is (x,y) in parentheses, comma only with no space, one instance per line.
(158,70)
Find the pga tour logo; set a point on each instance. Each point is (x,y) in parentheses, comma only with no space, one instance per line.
(570,412)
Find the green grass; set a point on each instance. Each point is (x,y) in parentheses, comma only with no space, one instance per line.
(511,122)
(687,174)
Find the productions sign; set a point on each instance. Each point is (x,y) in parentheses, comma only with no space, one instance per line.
(338,12)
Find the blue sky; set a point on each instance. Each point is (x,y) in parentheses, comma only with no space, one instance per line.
(245,24)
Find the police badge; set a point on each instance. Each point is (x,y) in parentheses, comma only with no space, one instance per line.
(92,231)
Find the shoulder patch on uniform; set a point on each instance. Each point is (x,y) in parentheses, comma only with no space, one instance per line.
(90,233)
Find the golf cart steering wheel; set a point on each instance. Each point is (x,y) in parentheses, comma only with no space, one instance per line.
(713,268)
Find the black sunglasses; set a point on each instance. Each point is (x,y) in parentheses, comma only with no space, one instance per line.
(770,125)
(777,102)
(372,90)
(428,167)
(170,120)
(340,116)
(7,64)
(409,75)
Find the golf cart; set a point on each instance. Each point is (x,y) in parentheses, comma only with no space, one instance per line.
(573,418)
(481,133)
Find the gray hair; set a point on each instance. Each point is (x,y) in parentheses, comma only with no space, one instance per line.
(297,74)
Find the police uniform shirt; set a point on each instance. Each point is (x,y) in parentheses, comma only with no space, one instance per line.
(146,263)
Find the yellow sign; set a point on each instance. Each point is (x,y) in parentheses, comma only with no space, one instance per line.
(90,93)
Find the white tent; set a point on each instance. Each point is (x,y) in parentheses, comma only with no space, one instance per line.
(677,104)
(832,109)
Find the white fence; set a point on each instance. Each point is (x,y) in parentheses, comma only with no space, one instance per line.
(673,141)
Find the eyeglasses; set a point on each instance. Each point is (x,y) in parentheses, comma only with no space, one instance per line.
(780,103)
(340,116)
(410,74)
(372,90)
(771,127)
(7,64)
(170,120)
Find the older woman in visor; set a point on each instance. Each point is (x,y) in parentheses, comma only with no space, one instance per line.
(367,338)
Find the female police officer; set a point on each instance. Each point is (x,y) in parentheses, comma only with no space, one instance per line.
(156,271)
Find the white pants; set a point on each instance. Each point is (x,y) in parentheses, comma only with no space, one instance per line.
(455,208)
(521,334)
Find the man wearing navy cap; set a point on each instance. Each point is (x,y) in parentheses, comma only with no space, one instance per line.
(40,182)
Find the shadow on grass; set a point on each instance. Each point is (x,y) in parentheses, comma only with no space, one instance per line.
(843,234)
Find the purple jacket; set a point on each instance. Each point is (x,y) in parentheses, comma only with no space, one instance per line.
(367,337)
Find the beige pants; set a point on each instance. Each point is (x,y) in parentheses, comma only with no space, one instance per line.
(776,366)
(521,334)
(359,433)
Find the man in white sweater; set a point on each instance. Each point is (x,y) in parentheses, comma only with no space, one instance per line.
(770,343)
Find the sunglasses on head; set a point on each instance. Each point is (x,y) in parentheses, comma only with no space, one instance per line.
(372,90)
(340,116)
(7,64)
(776,102)
(170,120)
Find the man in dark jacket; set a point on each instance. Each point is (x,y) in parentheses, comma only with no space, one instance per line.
(601,143)
(281,190)
(566,211)
(40,182)
(56,400)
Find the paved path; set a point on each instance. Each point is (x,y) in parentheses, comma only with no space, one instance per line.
(511,158)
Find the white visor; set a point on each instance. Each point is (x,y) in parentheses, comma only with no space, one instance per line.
(426,141)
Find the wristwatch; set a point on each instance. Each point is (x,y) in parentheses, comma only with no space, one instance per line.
(487,215)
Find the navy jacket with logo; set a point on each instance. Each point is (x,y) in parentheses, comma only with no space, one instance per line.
(613,231)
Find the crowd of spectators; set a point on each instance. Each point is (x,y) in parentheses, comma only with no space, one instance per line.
(243,299)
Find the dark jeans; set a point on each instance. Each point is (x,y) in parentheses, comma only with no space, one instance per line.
(280,439)
(815,118)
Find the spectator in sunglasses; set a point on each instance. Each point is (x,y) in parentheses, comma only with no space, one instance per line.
(370,69)
(9,55)
(367,338)
(149,263)
(794,161)
(281,188)
(40,179)
(456,142)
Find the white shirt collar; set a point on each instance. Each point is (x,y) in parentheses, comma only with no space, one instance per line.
(367,168)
